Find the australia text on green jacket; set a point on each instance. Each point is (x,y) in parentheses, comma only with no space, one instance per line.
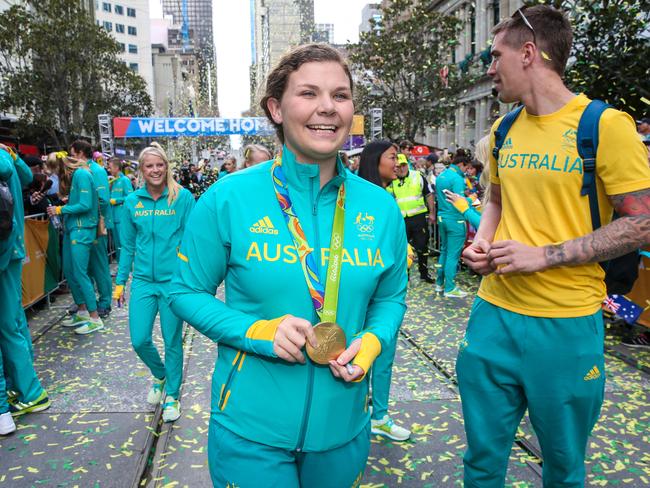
(237,234)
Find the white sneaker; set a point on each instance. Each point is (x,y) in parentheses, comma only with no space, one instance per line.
(388,428)
(439,288)
(456,293)
(155,394)
(77,319)
(91,325)
(171,410)
(7,425)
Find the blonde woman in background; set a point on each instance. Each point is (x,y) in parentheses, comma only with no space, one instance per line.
(255,154)
(151,228)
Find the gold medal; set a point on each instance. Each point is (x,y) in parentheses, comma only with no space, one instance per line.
(331,343)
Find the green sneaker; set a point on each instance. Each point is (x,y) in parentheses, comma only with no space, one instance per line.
(390,429)
(91,325)
(21,408)
(156,392)
(76,320)
(456,293)
(171,410)
(12,395)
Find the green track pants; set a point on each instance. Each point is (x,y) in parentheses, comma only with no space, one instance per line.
(381,374)
(77,246)
(147,300)
(100,272)
(508,362)
(238,462)
(16,352)
(452,239)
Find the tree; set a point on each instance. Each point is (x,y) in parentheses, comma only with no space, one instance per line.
(59,70)
(611,47)
(400,66)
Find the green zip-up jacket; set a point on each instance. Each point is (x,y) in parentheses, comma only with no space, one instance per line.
(451,179)
(81,211)
(103,192)
(120,189)
(17,175)
(237,234)
(151,232)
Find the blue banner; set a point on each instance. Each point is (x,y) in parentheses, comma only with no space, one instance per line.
(190,126)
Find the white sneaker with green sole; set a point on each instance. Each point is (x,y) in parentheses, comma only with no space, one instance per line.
(171,410)
(456,293)
(76,320)
(390,429)
(7,424)
(155,394)
(90,326)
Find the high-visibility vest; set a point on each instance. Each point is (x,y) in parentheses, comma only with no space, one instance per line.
(409,194)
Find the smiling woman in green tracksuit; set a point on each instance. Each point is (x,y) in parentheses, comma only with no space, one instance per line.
(80,217)
(272,232)
(152,224)
(120,188)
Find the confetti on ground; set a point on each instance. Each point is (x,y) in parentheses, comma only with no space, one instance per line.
(96,431)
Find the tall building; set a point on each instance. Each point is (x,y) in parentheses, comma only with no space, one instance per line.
(370,12)
(477,109)
(128,23)
(323,33)
(194,19)
(277,26)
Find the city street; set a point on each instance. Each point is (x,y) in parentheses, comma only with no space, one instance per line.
(100,432)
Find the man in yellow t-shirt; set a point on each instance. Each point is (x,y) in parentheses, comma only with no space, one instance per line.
(535,335)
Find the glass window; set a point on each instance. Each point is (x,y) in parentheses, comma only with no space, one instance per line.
(133,31)
(122,47)
(106,7)
(134,66)
(133,49)
(119,28)
(130,12)
(108,25)
(119,10)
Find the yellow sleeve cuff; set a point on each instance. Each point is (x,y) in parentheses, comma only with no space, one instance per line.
(58,210)
(118,291)
(12,153)
(370,349)
(461,205)
(113,201)
(264,330)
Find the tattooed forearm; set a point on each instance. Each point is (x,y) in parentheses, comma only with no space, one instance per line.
(625,234)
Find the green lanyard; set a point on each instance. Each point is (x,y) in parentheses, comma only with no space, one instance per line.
(325,299)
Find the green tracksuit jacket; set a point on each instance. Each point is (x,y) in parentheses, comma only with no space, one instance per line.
(151,232)
(237,234)
(103,192)
(81,211)
(450,179)
(17,175)
(120,189)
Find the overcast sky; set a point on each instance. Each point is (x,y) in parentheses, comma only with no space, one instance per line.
(232,38)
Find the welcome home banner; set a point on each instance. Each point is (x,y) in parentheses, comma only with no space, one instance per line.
(124,127)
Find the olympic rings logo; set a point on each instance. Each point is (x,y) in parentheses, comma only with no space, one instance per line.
(365,228)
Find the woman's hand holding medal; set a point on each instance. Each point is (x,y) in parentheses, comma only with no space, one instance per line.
(291,336)
(341,368)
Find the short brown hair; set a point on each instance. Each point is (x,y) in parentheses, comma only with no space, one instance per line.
(552,33)
(276,81)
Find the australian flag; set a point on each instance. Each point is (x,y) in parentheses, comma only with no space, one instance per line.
(624,308)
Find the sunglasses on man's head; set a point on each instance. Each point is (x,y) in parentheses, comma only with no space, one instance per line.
(530,26)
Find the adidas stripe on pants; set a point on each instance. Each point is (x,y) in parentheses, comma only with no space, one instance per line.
(553,366)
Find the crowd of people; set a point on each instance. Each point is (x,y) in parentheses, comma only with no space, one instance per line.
(314,252)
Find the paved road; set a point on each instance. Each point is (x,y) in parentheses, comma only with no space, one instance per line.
(100,432)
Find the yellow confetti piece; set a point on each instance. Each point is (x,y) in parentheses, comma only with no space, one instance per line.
(32,470)
(645,100)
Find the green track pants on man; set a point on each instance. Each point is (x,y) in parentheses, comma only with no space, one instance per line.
(100,272)
(77,246)
(16,352)
(147,299)
(237,462)
(452,239)
(555,367)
